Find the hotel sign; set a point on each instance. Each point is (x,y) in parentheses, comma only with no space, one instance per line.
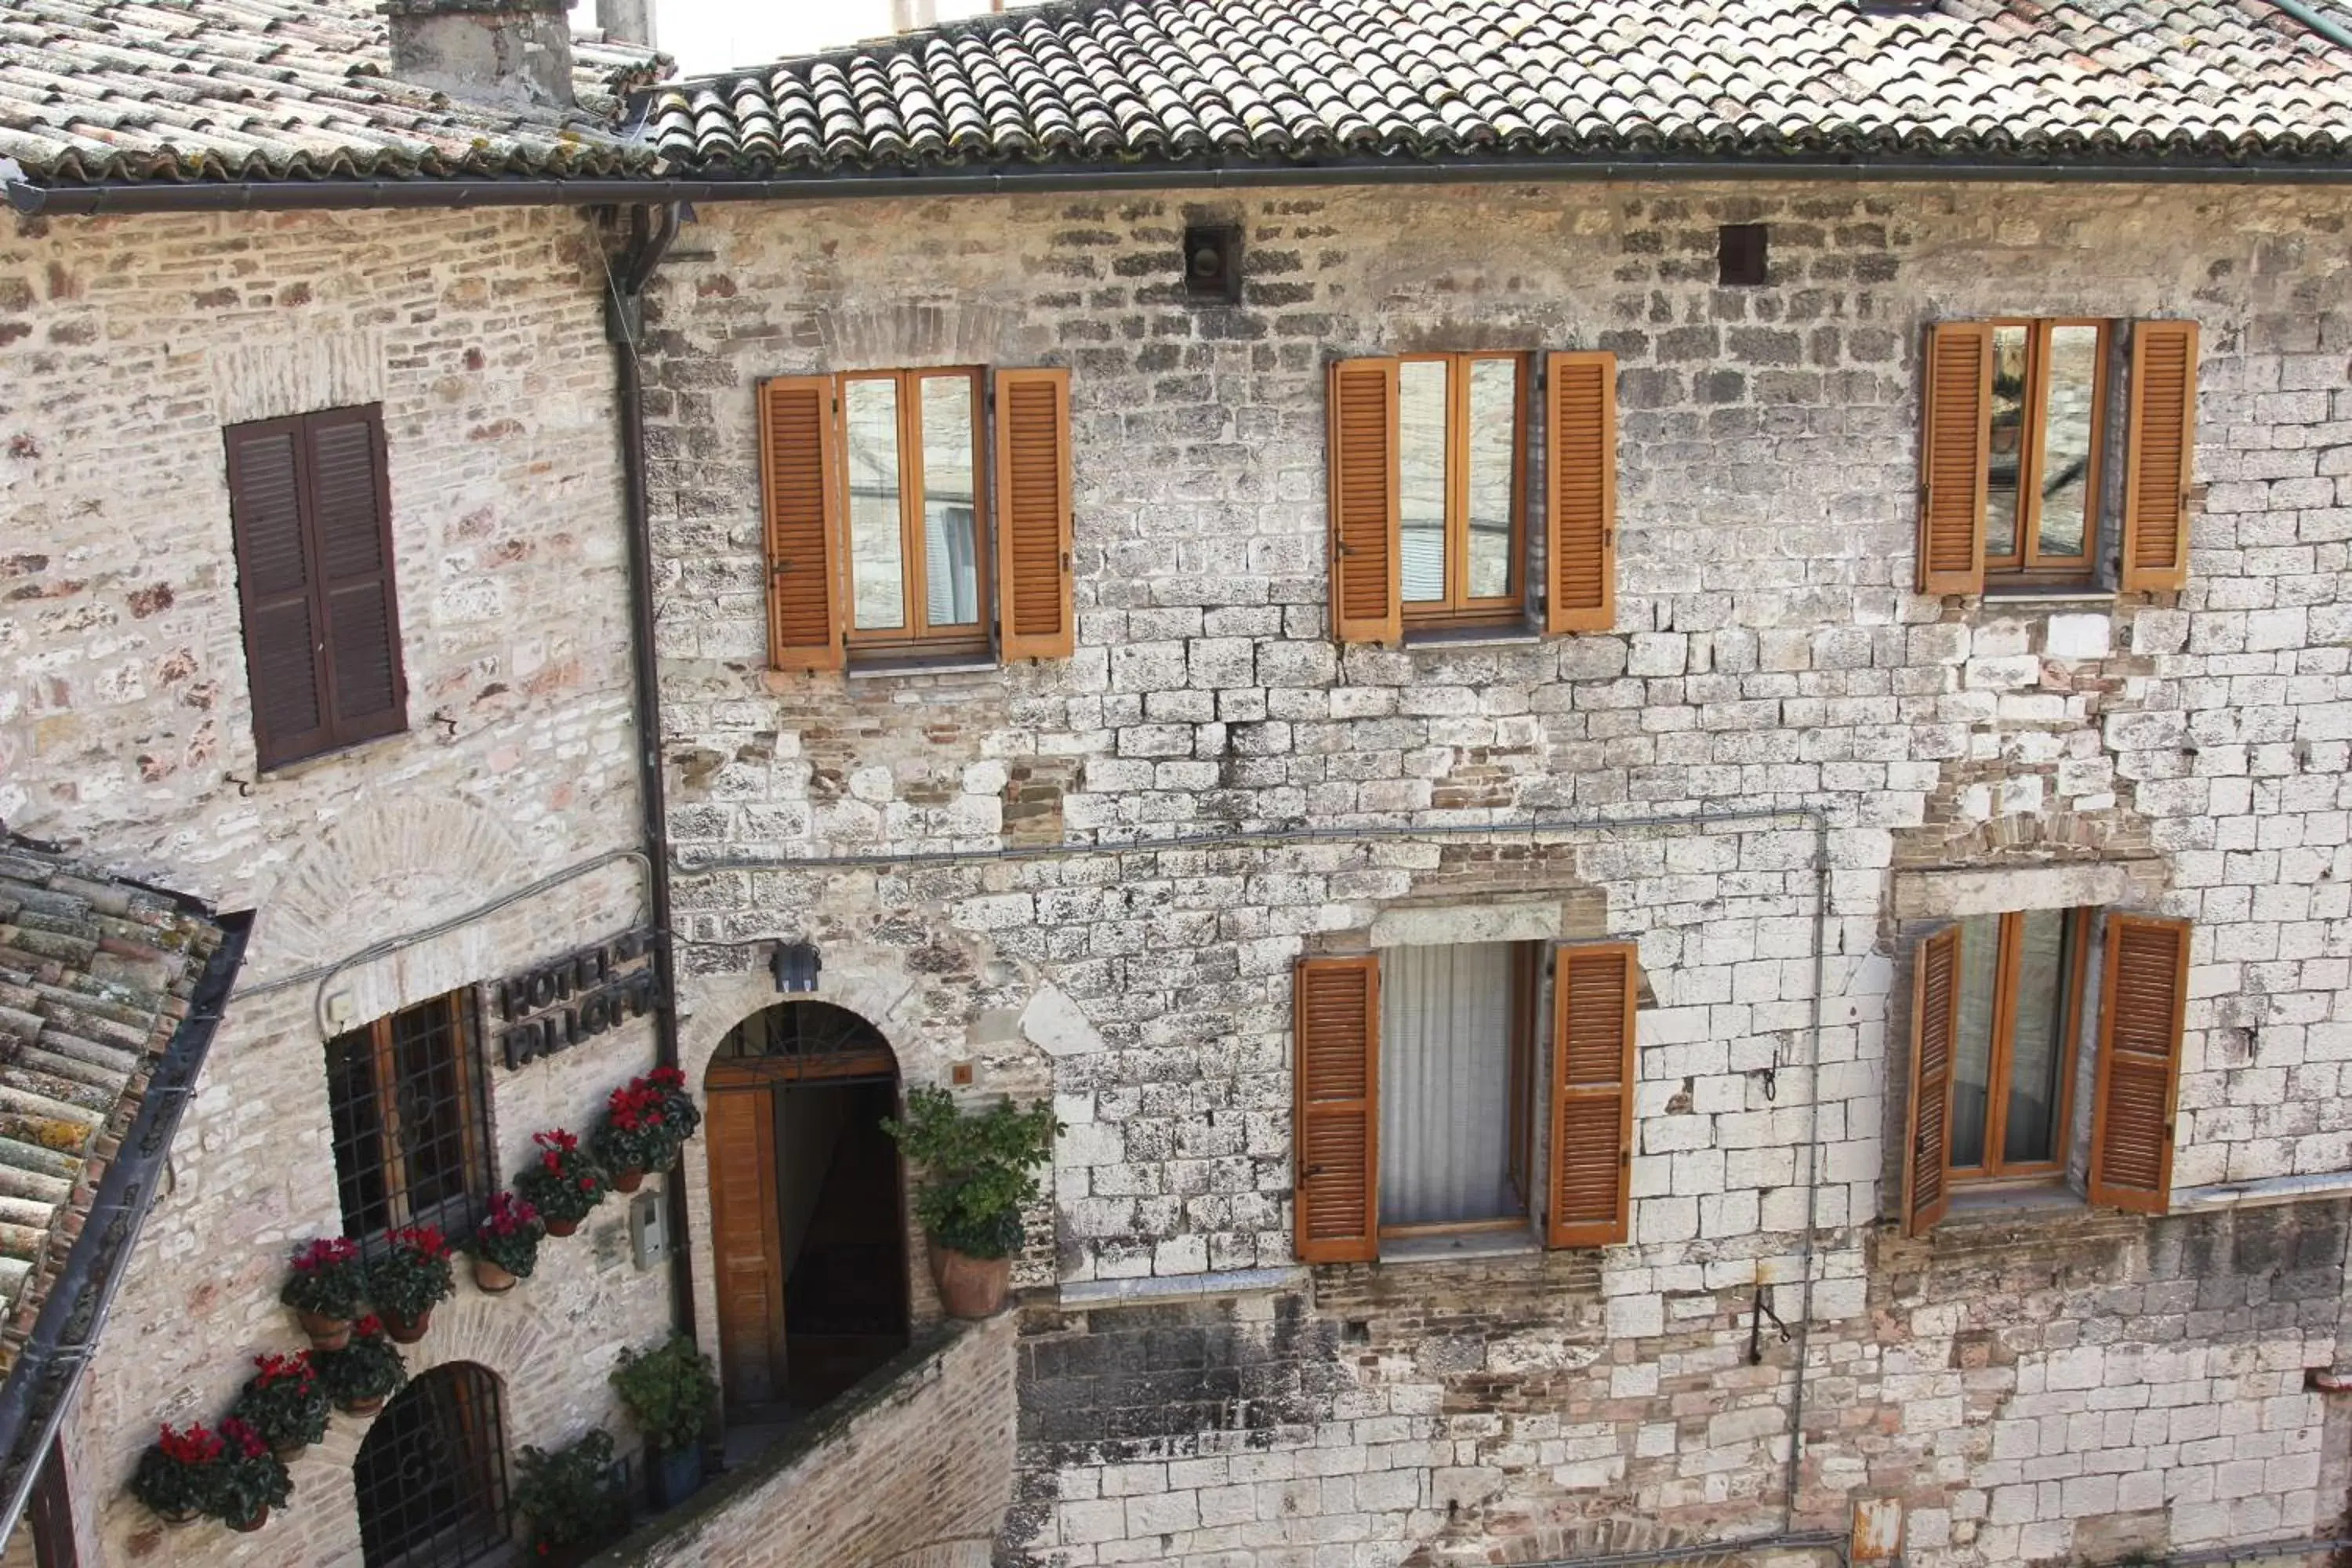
(558,1005)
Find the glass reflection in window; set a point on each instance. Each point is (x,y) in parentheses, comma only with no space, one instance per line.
(877,544)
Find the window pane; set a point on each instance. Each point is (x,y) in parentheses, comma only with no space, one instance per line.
(1420,467)
(1971,1071)
(426,1041)
(950,518)
(1494,438)
(2008,386)
(2066,437)
(359,1133)
(1445,1071)
(2037,1050)
(876,571)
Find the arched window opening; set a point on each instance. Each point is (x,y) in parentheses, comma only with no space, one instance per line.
(432,1476)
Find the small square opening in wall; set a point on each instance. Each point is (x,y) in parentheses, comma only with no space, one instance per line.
(1213,261)
(1739,255)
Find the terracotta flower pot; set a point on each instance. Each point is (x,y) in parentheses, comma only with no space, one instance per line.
(970,1287)
(492,1280)
(406,1330)
(363,1406)
(248,1526)
(180,1516)
(561,1226)
(288,1452)
(326,1334)
(629,1180)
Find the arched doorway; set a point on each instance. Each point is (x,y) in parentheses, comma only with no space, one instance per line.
(432,1474)
(807,1224)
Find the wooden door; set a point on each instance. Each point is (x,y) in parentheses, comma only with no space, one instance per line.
(748,1247)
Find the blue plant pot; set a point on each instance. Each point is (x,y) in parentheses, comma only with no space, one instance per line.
(675,1476)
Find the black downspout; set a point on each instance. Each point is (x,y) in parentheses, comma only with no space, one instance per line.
(651,231)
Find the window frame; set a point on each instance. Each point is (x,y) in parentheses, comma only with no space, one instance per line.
(1458,608)
(914,634)
(2028,566)
(2080,942)
(454,1216)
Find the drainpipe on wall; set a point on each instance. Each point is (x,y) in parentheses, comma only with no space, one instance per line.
(651,230)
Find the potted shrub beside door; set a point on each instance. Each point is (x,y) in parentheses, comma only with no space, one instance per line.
(670,1391)
(979,1168)
(572,1499)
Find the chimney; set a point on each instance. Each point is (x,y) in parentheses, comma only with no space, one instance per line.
(510,54)
(627,22)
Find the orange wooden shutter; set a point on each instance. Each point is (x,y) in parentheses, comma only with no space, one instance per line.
(1580,420)
(2143,1005)
(748,1246)
(2162,441)
(1366,592)
(1935,1045)
(1033,512)
(1954,449)
(796,471)
(1592,992)
(1336,1134)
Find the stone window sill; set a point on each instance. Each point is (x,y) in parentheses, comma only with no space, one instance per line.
(947,664)
(332,755)
(1460,1245)
(2001,596)
(2000,1205)
(1448,639)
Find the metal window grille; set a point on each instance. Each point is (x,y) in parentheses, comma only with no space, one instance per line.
(808,1039)
(411,1138)
(432,1476)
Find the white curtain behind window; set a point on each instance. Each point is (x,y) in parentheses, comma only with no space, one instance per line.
(1445,1053)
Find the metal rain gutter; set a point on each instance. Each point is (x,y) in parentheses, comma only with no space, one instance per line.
(2326,27)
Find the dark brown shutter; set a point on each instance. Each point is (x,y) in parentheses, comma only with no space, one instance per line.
(285,646)
(1935,1044)
(747,1245)
(352,503)
(1366,590)
(1593,1059)
(1336,1128)
(1033,512)
(803,533)
(2162,443)
(1580,417)
(1954,447)
(2143,1007)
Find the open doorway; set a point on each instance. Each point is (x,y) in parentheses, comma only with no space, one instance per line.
(807,1222)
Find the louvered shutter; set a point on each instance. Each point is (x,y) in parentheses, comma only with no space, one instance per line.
(1033,512)
(285,646)
(1935,1045)
(2144,1003)
(1593,1058)
(2161,447)
(1580,421)
(802,525)
(1336,1131)
(1954,449)
(351,503)
(1367,590)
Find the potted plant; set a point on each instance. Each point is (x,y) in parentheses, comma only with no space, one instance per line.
(979,1168)
(571,1498)
(504,1246)
(646,1121)
(175,1475)
(565,1184)
(364,1374)
(248,1481)
(284,1402)
(668,1391)
(328,1289)
(410,1279)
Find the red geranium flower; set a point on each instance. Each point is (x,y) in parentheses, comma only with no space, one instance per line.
(248,1440)
(325,1254)
(196,1446)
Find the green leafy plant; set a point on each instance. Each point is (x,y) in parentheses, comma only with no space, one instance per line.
(175,1475)
(668,1391)
(327,1280)
(509,1235)
(979,1168)
(412,1276)
(366,1370)
(570,1496)
(566,1182)
(248,1481)
(284,1401)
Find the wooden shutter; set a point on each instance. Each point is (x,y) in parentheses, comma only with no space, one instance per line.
(1935,1045)
(1366,590)
(1033,512)
(2143,1005)
(803,523)
(1592,994)
(285,646)
(1954,449)
(1336,1134)
(351,503)
(2161,446)
(1580,421)
(748,1245)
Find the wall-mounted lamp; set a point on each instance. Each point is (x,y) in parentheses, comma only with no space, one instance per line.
(795,965)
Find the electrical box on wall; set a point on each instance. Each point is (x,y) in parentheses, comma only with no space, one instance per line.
(648,1228)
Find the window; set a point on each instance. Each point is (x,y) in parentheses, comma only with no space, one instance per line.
(2013,486)
(1997,1005)
(411,1140)
(879,527)
(432,1474)
(1410,1061)
(1429,512)
(311,519)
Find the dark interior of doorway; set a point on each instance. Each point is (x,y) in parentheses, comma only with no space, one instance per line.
(845,1253)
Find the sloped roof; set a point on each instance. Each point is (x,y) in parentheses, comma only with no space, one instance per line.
(279,90)
(1117,82)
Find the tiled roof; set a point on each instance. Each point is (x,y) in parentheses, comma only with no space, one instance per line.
(95,976)
(192,89)
(1116,82)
